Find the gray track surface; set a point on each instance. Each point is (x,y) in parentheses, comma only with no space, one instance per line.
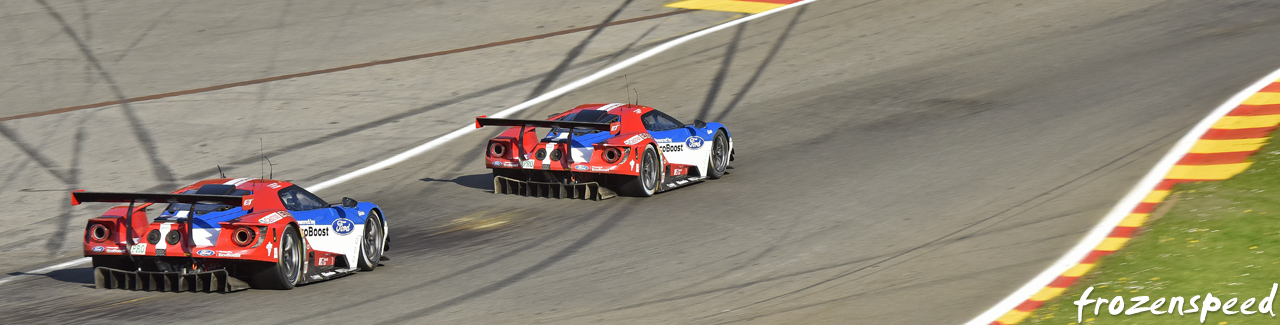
(898,163)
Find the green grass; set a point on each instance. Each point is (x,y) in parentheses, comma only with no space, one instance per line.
(1217,237)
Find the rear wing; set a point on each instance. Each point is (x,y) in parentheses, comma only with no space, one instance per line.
(117,197)
(78,197)
(488,121)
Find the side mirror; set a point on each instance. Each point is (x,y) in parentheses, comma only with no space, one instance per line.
(699,124)
(349,202)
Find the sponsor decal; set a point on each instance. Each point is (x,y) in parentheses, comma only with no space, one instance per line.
(139,249)
(681,182)
(602,169)
(679,171)
(663,140)
(709,131)
(99,249)
(671,148)
(205,252)
(581,167)
(510,164)
(306,222)
(271,218)
(323,261)
(361,213)
(315,231)
(636,139)
(114,250)
(497,163)
(527,164)
(343,227)
(693,142)
(228,254)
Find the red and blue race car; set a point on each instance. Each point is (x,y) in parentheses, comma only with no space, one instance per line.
(596,150)
(222,235)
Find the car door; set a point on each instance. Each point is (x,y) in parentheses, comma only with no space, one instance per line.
(679,143)
(317,221)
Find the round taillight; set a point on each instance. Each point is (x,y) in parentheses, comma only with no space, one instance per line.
(99,233)
(243,236)
(555,155)
(153,236)
(611,155)
(541,154)
(173,237)
(497,149)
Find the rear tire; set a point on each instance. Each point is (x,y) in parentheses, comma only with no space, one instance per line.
(287,271)
(645,184)
(371,244)
(719,155)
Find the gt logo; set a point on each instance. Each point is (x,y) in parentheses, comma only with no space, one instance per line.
(275,185)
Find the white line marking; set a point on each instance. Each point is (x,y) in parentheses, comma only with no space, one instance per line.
(420,149)
(1122,209)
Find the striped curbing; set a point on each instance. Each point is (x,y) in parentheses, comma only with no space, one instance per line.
(743,6)
(1222,152)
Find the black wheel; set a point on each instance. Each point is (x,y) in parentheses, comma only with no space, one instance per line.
(719,155)
(647,182)
(371,244)
(287,272)
(115,262)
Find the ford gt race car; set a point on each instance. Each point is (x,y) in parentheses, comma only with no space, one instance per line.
(596,150)
(223,235)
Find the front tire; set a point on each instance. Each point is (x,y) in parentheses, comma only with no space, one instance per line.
(645,184)
(719,155)
(287,271)
(371,244)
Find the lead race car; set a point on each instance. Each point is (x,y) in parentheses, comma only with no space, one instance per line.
(223,235)
(595,151)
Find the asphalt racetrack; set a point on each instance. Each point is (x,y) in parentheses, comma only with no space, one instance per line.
(906,162)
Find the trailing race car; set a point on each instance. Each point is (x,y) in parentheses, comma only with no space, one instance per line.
(595,150)
(230,234)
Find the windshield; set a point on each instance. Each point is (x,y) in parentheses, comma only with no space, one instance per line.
(593,116)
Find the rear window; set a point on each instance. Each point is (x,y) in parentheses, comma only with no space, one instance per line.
(592,116)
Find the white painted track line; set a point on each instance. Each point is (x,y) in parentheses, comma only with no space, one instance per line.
(1122,209)
(437,142)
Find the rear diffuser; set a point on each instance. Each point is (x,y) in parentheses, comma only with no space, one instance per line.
(584,191)
(209,281)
